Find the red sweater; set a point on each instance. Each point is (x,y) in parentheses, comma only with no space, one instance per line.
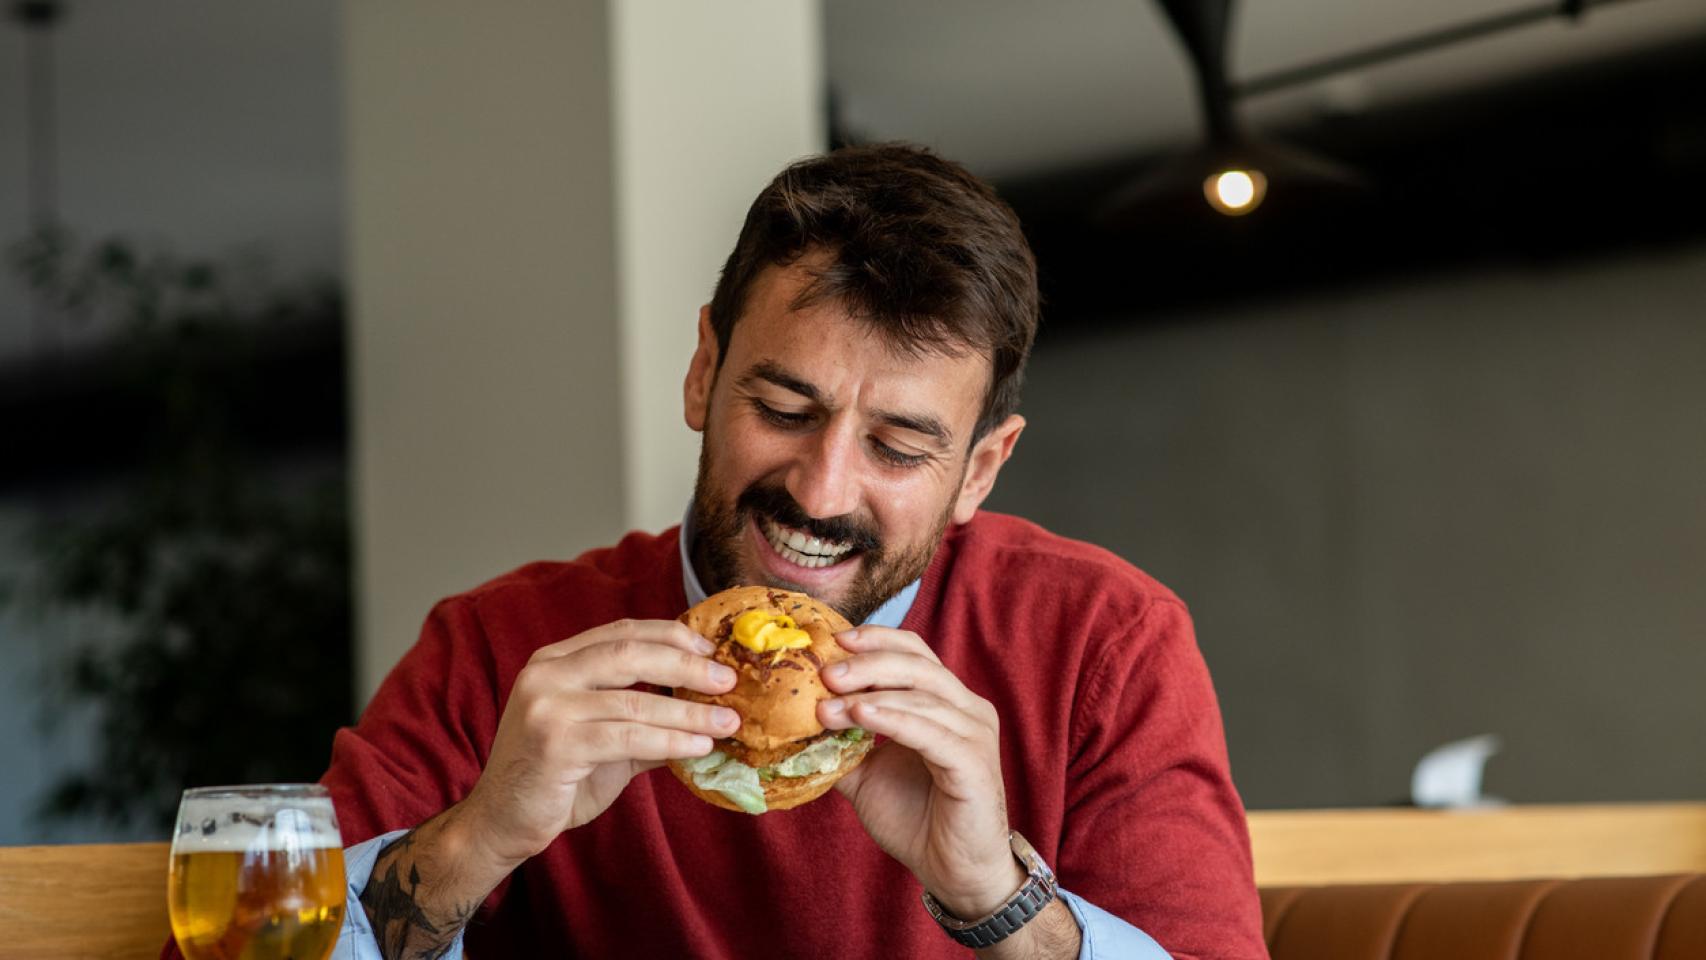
(1112,752)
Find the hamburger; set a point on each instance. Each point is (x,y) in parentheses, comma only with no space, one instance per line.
(777,642)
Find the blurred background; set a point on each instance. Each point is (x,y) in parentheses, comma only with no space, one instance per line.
(313,313)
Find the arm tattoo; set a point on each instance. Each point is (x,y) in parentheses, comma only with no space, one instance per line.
(400,923)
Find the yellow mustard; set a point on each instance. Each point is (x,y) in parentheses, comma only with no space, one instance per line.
(763,632)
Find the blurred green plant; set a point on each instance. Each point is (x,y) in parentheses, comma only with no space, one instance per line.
(219,583)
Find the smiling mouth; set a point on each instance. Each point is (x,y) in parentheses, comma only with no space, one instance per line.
(800,548)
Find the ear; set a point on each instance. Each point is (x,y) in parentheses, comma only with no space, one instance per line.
(987,456)
(701,374)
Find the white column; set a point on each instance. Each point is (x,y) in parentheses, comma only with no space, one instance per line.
(540,195)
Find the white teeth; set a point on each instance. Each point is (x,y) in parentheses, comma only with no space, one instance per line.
(799,549)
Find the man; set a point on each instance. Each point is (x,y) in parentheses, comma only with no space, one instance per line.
(855,382)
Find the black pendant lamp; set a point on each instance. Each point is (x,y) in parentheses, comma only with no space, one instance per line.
(1229,173)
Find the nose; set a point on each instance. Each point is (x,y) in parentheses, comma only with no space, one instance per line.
(821,479)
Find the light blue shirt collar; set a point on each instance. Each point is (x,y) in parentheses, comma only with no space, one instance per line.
(890,614)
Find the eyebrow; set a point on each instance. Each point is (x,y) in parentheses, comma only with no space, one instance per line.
(772,372)
(922,423)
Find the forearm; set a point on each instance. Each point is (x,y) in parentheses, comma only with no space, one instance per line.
(1051,935)
(426,885)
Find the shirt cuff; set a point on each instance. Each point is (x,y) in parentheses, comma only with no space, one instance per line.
(1104,936)
(356,940)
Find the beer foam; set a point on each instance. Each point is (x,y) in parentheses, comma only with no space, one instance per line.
(255,825)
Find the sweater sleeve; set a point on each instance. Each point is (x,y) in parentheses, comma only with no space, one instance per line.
(1155,832)
(421,743)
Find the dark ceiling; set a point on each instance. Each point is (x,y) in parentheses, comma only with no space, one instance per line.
(1597,160)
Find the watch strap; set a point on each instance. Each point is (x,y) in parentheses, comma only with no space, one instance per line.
(1016,911)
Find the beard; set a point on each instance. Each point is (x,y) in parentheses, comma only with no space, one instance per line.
(718,529)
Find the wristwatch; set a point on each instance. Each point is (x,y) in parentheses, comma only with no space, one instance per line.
(1018,909)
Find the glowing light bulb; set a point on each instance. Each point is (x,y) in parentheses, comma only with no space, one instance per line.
(1235,192)
(1235,187)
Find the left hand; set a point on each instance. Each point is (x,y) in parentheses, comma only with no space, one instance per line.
(932,796)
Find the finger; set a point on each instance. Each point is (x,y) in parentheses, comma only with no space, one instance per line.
(868,639)
(619,741)
(653,710)
(625,662)
(895,670)
(958,766)
(838,713)
(668,632)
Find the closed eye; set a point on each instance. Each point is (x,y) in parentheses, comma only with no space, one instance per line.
(780,418)
(892,456)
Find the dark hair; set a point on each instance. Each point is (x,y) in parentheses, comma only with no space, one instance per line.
(916,246)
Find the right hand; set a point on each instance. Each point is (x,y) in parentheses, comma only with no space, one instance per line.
(572,736)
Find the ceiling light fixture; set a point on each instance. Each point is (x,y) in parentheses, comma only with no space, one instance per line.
(1234,172)
(1230,170)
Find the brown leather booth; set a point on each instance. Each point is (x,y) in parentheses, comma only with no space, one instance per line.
(1605,918)
(1449,885)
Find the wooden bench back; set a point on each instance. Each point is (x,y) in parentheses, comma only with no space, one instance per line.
(1397,845)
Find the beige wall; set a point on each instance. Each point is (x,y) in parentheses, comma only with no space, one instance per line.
(483,299)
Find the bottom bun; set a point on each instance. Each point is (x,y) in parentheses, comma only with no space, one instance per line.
(783,793)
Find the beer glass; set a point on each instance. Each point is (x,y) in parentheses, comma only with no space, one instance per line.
(257,874)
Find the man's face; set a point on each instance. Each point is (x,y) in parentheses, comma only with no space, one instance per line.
(831,462)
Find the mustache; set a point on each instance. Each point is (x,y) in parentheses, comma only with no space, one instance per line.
(778,505)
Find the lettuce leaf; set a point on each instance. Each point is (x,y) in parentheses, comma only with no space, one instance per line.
(734,780)
(704,763)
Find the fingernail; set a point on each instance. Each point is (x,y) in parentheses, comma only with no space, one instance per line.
(703,645)
(836,671)
(835,706)
(721,674)
(852,634)
(724,717)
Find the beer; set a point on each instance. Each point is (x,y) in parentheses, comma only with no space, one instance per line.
(256,874)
